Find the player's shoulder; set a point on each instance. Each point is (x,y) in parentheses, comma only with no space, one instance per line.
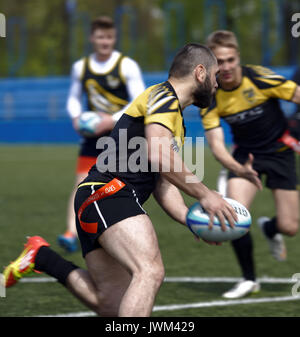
(212,106)
(162,97)
(78,66)
(80,62)
(128,62)
(161,90)
(261,76)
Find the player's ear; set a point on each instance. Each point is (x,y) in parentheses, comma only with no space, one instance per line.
(200,73)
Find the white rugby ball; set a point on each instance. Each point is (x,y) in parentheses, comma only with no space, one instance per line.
(198,220)
(88,122)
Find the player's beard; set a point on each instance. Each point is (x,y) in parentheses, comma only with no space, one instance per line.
(203,94)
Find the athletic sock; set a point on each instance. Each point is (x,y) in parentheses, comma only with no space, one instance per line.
(243,248)
(270,228)
(48,261)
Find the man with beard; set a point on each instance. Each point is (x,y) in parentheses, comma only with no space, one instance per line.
(118,240)
(248,100)
(109,81)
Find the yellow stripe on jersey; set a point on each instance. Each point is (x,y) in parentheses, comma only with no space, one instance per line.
(284,90)
(159,104)
(153,108)
(109,96)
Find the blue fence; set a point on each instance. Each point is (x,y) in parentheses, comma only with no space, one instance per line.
(32,110)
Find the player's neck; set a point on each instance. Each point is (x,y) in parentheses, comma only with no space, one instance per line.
(102,57)
(183,92)
(235,82)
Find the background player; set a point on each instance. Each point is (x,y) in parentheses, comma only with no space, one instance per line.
(110,81)
(125,268)
(247,99)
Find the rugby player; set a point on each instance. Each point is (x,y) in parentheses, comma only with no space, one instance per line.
(110,81)
(248,100)
(119,243)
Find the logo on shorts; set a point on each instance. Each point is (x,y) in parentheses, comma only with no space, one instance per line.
(109,189)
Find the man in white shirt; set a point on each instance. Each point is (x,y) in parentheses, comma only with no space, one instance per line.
(110,81)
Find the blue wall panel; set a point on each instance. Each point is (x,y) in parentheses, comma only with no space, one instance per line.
(32,110)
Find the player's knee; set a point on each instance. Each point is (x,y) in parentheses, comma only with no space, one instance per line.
(290,227)
(153,274)
(158,274)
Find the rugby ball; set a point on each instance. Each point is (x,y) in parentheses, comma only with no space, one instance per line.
(88,122)
(197,220)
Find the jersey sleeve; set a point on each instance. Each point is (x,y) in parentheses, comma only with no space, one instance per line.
(210,116)
(271,84)
(74,105)
(163,108)
(132,74)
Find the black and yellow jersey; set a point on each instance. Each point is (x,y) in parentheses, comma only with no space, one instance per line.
(252,109)
(157,104)
(105,92)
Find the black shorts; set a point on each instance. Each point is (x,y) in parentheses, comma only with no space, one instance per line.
(105,212)
(279,167)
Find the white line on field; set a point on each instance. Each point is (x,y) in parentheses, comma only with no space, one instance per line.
(265,279)
(38,280)
(193,305)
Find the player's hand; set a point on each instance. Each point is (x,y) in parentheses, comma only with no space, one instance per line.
(215,205)
(106,125)
(249,173)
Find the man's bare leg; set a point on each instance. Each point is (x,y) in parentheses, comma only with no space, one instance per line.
(133,244)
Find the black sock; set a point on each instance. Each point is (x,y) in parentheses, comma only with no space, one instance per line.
(270,228)
(50,262)
(243,248)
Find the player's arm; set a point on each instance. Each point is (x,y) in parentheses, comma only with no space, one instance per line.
(215,139)
(296,97)
(170,199)
(172,168)
(74,105)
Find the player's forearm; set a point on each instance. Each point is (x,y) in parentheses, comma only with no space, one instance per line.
(171,201)
(173,169)
(74,107)
(225,158)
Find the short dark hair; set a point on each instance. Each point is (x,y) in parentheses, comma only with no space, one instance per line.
(102,22)
(189,57)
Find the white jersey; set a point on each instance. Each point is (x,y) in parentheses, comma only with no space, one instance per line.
(130,72)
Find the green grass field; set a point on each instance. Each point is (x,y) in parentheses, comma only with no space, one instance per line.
(35,185)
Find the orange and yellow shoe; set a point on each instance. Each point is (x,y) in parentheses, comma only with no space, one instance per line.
(25,263)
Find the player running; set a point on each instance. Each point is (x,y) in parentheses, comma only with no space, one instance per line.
(248,100)
(119,243)
(110,81)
